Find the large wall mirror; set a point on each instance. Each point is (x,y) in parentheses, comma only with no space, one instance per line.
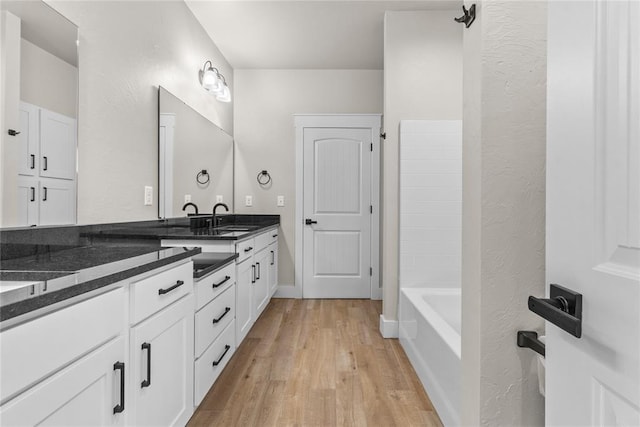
(39,115)
(195,160)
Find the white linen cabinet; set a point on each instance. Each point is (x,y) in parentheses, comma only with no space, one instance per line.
(46,167)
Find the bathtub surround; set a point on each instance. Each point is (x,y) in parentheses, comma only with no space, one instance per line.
(430,203)
(503,219)
(422,81)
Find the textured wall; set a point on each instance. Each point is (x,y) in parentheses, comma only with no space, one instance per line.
(265,139)
(422,81)
(126,50)
(503,210)
(61,97)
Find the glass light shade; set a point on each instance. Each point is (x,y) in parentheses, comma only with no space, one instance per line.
(210,80)
(225,95)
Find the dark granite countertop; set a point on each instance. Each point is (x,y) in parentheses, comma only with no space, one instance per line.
(195,228)
(41,266)
(208,262)
(33,282)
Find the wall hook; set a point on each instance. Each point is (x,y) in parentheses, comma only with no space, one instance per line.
(468,17)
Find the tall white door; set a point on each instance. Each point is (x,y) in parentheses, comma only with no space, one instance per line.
(57,145)
(337,215)
(593,210)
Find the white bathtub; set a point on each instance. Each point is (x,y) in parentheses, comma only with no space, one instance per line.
(430,335)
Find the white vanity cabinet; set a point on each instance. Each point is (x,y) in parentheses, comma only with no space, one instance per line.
(215,340)
(161,348)
(68,367)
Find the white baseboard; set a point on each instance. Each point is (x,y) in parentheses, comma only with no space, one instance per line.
(389,328)
(287,291)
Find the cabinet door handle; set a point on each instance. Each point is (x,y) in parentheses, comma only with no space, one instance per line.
(248,249)
(46,163)
(273,257)
(258,269)
(169,289)
(44,196)
(226,310)
(274,236)
(33,161)
(226,348)
(33,194)
(226,278)
(120,407)
(253,273)
(147,382)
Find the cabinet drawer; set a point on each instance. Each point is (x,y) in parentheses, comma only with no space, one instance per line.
(211,286)
(263,240)
(37,348)
(244,249)
(153,293)
(220,352)
(221,310)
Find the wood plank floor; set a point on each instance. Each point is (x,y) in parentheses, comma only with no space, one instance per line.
(317,363)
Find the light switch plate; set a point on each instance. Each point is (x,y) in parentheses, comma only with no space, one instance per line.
(248,201)
(187,198)
(148,195)
(219,198)
(280,201)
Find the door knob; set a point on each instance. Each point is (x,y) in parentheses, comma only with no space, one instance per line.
(308,221)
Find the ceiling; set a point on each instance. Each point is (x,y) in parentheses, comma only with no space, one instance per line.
(303,34)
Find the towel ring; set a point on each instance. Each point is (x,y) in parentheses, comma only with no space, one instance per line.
(203,177)
(262,180)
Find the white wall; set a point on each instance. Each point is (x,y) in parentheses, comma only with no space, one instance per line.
(503,216)
(422,80)
(47,81)
(126,50)
(430,203)
(265,139)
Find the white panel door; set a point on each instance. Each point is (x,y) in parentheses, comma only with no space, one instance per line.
(28,203)
(245,274)
(87,393)
(336,206)
(29,138)
(593,210)
(57,145)
(57,202)
(261,286)
(162,349)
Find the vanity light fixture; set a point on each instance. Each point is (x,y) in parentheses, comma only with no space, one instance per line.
(214,82)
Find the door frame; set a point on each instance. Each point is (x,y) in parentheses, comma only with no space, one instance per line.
(366,121)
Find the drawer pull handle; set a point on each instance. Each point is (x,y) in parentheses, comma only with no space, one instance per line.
(215,285)
(273,257)
(253,273)
(46,163)
(147,382)
(258,269)
(226,310)
(33,161)
(169,289)
(33,193)
(120,407)
(44,197)
(274,236)
(226,348)
(249,249)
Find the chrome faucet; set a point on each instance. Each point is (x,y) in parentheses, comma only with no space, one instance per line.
(215,221)
(186,205)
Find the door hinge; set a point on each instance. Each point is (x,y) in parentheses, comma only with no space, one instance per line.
(370,209)
(383,135)
(370,271)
